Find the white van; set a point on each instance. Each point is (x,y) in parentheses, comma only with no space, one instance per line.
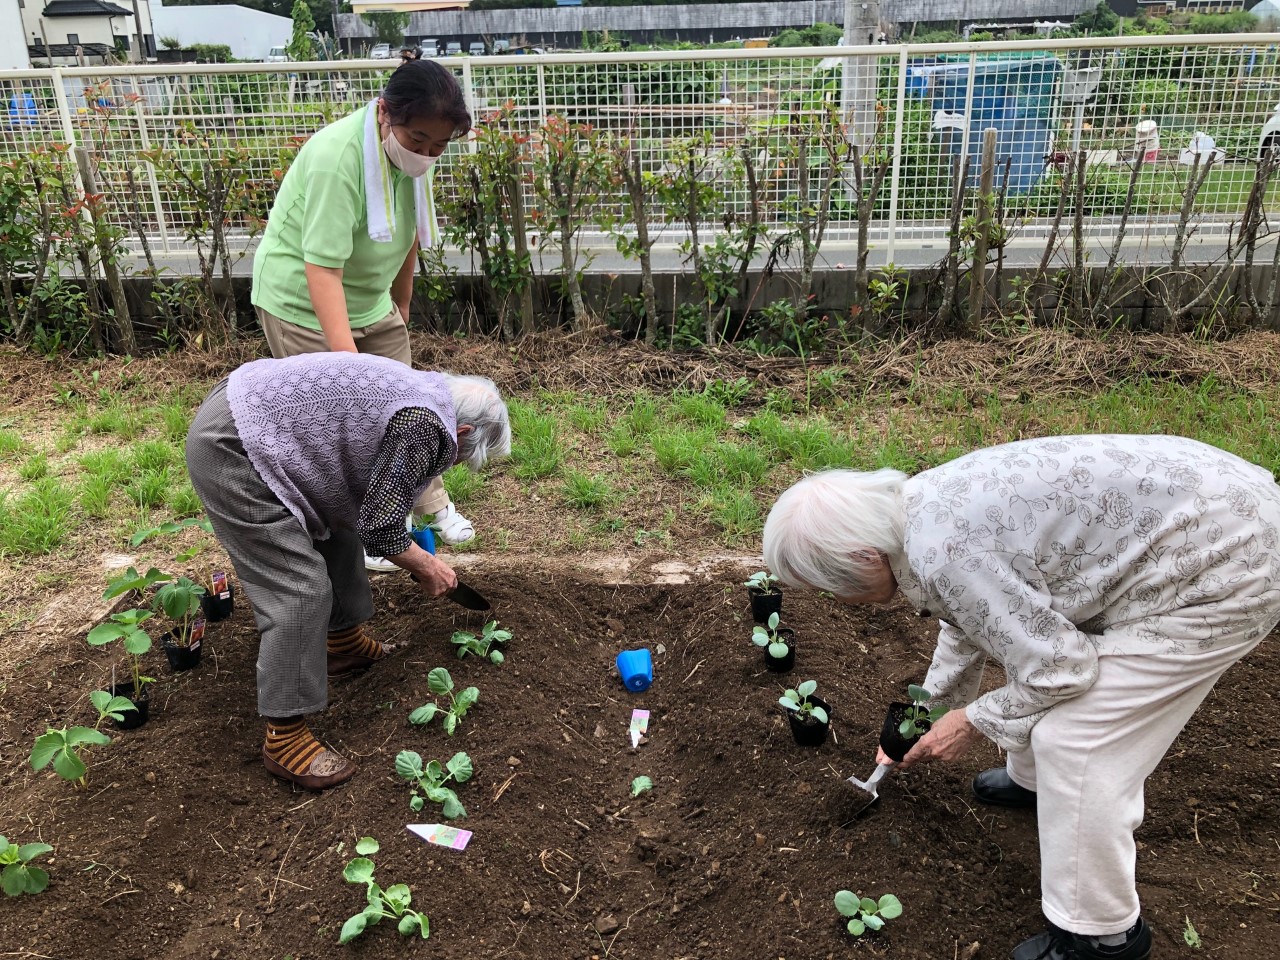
(278,55)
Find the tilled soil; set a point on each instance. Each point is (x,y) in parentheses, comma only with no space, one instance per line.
(181,846)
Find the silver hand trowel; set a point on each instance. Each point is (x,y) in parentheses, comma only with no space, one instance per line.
(871,786)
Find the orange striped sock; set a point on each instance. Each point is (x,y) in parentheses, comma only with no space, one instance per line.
(353,642)
(290,744)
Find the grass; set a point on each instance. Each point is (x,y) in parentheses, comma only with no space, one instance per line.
(462,485)
(535,446)
(11,443)
(37,520)
(585,491)
(36,468)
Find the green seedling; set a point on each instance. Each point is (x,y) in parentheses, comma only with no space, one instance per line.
(483,645)
(762,580)
(17,877)
(110,707)
(180,601)
(131,579)
(440,683)
(389,904)
(798,700)
(1190,936)
(431,780)
(641,785)
(62,748)
(918,718)
(768,638)
(126,628)
(866,914)
(142,534)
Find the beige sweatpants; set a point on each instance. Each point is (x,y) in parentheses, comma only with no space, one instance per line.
(1088,761)
(389,337)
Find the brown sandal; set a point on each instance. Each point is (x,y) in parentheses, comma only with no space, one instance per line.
(328,769)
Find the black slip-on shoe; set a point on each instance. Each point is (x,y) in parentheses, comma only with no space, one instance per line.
(1055,944)
(997,788)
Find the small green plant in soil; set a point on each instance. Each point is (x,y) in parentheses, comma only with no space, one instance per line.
(131,579)
(392,903)
(431,779)
(180,601)
(767,637)
(866,914)
(17,876)
(126,628)
(641,785)
(63,749)
(441,684)
(483,645)
(918,718)
(798,700)
(110,707)
(762,580)
(1190,936)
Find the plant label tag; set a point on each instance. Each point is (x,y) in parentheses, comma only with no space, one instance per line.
(220,585)
(639,726)
(197,633)
(441,835)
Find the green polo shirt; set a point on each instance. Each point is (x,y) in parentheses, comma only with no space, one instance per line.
(320,217)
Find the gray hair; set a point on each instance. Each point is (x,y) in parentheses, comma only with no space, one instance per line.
(827,531)
(477,404)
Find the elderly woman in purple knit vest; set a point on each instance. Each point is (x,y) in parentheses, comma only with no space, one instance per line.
(305,464)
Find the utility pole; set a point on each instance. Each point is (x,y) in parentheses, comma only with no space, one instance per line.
(137,22)
(858,86)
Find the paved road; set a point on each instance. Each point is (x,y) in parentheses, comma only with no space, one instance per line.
(836,254)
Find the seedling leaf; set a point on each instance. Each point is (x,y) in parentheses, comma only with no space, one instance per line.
(641,785)
(846,903)
(460,766)
(890,907)
(29,851)
(408,923)
(857,927)
(409,764)
(353,928)
(872,921)
(452,807)
(777,649)
(366,846)
(439,681)
(359,870)
(819,714)
(423,715)
(806,689)
(398,896)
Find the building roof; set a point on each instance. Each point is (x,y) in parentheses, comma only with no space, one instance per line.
(85,8)
(67,50)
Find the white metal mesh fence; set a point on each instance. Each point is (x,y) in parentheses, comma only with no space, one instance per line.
(918,112)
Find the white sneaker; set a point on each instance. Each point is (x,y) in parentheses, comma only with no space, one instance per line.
(379,564)
(454,527)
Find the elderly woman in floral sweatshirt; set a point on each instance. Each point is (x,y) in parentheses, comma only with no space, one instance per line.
(1114,578)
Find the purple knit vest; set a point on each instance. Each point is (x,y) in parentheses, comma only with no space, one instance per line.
(312,426)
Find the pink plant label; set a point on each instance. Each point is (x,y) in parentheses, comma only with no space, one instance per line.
(220,585)
(639,726)
(197,632)
(441,835)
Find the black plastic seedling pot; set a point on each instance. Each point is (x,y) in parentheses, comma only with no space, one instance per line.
(893,743)
(219,603)
(181,658)
(782,664)
(132,718)
(807,731)
(763,604)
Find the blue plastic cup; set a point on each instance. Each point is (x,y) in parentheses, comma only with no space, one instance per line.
(636,669)
(425,539)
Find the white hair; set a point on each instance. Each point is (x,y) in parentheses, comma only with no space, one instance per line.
(828,530)
(477,404)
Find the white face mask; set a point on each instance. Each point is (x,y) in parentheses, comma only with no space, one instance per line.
(406,161)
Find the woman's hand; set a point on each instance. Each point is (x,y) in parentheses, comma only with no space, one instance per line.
(434,576)
(949,739)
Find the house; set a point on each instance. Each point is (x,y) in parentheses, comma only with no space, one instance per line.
(98,29)
(249,33)
(13,41)
(407,6)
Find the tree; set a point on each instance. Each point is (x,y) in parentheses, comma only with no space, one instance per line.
(818,35)
(300,48)
(1101,21)
(387,27)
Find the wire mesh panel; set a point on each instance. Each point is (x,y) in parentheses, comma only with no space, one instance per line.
(1133,132)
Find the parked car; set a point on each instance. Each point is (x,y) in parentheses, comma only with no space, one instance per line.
(278,55)
(453,49)
(381,51)
(502,45)
(1270,138)
(476,49)
(430,47)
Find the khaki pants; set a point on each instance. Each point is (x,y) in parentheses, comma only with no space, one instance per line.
(389,337)
(1088,760)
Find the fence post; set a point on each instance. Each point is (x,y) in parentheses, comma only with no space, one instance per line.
(982,235)
(469,94)
(968,105)
(542,93)
(895,176)
(68,128)
(162,222)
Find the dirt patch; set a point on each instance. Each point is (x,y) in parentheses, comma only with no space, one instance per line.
(183,847)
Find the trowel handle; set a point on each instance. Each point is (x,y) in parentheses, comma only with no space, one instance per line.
(881,770)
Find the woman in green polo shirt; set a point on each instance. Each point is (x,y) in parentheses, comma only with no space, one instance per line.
(335,267)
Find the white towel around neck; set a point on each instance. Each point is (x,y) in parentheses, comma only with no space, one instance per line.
(379,197)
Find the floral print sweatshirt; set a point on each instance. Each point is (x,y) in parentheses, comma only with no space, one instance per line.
(1047,554)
